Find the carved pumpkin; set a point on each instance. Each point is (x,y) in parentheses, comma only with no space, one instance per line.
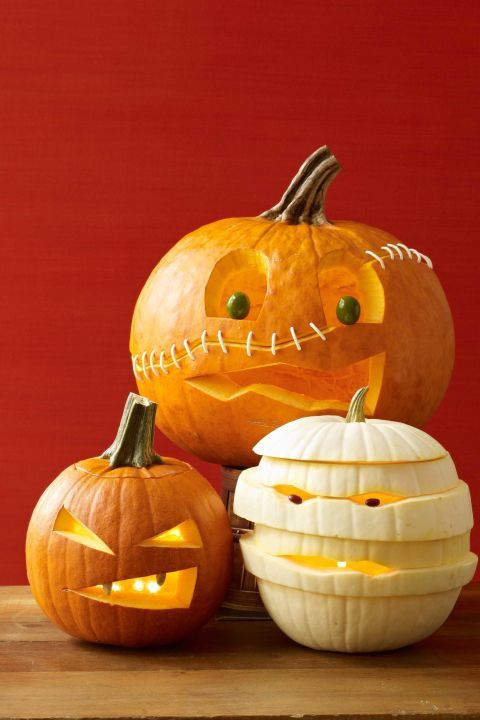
(249,323)
(361,539)
(129,548)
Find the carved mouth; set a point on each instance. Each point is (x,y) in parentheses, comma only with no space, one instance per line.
(303,388)
(164,591)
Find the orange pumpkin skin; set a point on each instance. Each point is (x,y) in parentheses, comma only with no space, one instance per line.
(219,404)
(123,507)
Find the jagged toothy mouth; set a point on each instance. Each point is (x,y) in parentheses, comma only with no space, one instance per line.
(307,389)
(163,591)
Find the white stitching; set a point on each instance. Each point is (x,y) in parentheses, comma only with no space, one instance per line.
(172,353)
(319,332)
(249,343)
(144,366)
(162,363)
(187,348)
(389,250)
(376,257)
(222,344)
(397,250)
(419,257)
(407,250)
(144,369)
(134,365)
(295,339)
(152,364)
(272,346)
(427,260)
(204,342)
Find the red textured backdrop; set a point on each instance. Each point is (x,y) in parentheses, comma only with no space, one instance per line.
(123,125)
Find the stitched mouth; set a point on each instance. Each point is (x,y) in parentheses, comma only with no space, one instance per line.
(303,388)
(164,591)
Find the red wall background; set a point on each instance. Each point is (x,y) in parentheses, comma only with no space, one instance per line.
(123,125)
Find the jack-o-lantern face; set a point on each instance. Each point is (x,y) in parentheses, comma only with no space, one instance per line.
(361,538)
(129,555)
(248,323)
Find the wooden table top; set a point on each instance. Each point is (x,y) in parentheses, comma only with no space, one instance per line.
(234,669)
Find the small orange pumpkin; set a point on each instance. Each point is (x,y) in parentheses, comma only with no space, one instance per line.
(249,323)
(129,548)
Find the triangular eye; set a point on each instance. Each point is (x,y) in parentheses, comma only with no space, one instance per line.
(185,535)
(72,528)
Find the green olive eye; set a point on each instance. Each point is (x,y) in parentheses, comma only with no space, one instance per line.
(238,305)
(348,310)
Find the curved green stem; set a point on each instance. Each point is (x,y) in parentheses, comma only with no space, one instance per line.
(356,410)
(133,446)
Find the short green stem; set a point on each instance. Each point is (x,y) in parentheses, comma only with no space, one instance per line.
(133,446)
(356,410)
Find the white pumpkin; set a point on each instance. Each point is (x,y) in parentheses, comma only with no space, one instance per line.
(362,531)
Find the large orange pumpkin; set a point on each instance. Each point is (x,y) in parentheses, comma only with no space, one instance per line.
(249,323)
(129,548)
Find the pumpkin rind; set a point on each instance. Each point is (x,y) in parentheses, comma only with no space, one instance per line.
(124,506)
(222,384)
(335,571)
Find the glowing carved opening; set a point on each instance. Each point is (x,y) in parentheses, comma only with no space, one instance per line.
(383,498)
(240,270)
(185,535)
(72,528)
(151,592)
(341,275)
(322,563)
(303,388)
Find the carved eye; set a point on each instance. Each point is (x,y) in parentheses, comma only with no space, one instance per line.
(294,494)
(72,528)
(185,535)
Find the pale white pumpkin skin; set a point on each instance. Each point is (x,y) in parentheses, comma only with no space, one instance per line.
(421,539)
(392,554)
(329,438)
(423,517)
(355,624)
(342,479)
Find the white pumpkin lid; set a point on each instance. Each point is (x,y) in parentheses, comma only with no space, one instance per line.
(329,438)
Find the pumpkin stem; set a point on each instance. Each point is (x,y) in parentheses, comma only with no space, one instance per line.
(133,446)
(356,411)
(304,199)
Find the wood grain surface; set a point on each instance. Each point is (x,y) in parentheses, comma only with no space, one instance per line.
(234,669)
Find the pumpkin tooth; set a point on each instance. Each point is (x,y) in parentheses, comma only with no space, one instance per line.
(222,343)
(396,249)
(144,364)
(319,332)
(204,342)
(248,346)
(295,338)
(160,577)
(389,250)
(273,348)
(187,348)
(174,357)
(162,363)
(375,257)
(107,588)
(134,365)
(152,363)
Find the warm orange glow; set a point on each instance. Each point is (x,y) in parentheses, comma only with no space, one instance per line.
(321,563)
(384,498)
(174,590)
(185,535)
(301,388)
(72,528)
